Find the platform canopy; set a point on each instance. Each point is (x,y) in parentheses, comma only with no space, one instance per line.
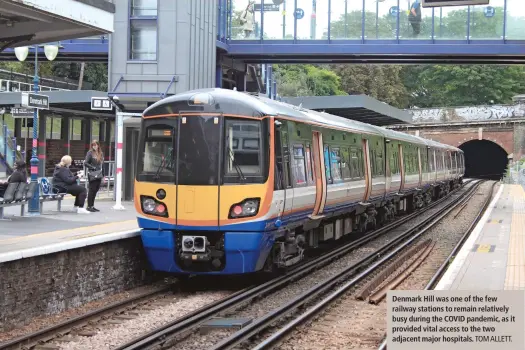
(356,107)
(29,22)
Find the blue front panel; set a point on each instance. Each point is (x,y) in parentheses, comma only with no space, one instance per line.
(245,251)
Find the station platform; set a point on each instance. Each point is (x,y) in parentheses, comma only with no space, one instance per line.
(25,236)
(493,257)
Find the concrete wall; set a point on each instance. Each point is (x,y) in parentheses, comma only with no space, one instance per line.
(49,284)
(186,48)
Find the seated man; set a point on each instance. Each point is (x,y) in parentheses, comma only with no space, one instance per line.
(18,176)
(65,181)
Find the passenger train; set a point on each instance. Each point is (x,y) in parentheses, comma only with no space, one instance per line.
(231,183)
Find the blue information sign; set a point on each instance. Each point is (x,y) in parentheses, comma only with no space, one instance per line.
(299,13)
(394,10)
(489,11)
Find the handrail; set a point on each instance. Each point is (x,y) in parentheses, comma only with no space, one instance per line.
(17,86)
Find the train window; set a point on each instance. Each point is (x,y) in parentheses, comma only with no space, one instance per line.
(298,165)
(243,163)
(345,164)
(157,147)
(394,170)
(327,164)
(198,156)
(355,163)
(309,162)
(250,143)
(335,161)
(380,163)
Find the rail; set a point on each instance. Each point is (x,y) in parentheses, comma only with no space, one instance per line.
(369,264)
(192,320)
(441,270)
(47,334)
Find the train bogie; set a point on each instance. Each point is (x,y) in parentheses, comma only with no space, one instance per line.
(252,184)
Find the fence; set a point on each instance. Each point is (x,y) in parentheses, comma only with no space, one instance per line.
(18,86)
(515,173)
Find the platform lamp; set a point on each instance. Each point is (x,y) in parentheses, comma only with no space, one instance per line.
(51,52)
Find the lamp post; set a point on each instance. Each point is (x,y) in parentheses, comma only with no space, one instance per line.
(51,52)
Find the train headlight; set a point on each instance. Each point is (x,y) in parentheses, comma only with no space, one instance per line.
(149,205)
(152,206)
(246,208)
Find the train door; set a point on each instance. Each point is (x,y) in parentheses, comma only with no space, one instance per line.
(402,168)
(198,171)
(283,172)
(319,173)
(389,167)
(368,170)
(419,166)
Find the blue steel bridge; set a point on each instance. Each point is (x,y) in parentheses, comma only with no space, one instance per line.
(366,31)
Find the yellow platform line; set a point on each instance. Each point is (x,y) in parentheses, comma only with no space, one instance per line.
(515,274)
(86,230)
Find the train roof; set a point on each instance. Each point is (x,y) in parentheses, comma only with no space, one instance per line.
(259,106)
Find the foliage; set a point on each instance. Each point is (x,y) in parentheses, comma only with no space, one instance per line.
(306,80)
(463,85)
(382,82)
(94,73)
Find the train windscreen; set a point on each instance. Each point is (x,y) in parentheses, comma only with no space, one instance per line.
(203,147)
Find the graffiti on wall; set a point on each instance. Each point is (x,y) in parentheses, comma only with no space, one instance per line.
(464,114)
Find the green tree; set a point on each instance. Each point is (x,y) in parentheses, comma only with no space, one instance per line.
(306,80)
(382,82)
(462,85)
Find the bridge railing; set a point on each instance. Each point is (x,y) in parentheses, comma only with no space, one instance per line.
(373,20)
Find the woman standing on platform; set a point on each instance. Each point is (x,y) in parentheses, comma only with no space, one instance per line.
(93,162)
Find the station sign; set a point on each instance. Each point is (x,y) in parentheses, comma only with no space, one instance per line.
(393,11)
(31,100)
(101,104)
(444,3)
(266,7)
(17,112)
(299,13)
(489,11)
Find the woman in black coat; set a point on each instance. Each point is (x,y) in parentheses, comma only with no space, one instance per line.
(18,176)
(93,162)
(66,181)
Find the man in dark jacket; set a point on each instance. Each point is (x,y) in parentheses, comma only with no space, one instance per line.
(66,181)
(18,176)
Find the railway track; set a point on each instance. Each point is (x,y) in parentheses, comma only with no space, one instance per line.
(434,280)
(88,324)
(169,335)
(349,278)
(83,324)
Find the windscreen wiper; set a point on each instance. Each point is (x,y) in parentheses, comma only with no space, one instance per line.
(237,167)
(162,165)
(159,169)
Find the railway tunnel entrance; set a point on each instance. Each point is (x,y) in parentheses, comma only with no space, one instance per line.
(484,159)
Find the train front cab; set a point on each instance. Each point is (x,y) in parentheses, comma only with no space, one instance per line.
(203,189)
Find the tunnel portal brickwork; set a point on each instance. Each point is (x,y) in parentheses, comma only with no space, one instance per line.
(506,138)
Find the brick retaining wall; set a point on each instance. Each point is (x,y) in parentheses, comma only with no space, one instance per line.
(49,284)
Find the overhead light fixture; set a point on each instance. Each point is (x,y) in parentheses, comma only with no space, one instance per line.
(51,51)
(21,53)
